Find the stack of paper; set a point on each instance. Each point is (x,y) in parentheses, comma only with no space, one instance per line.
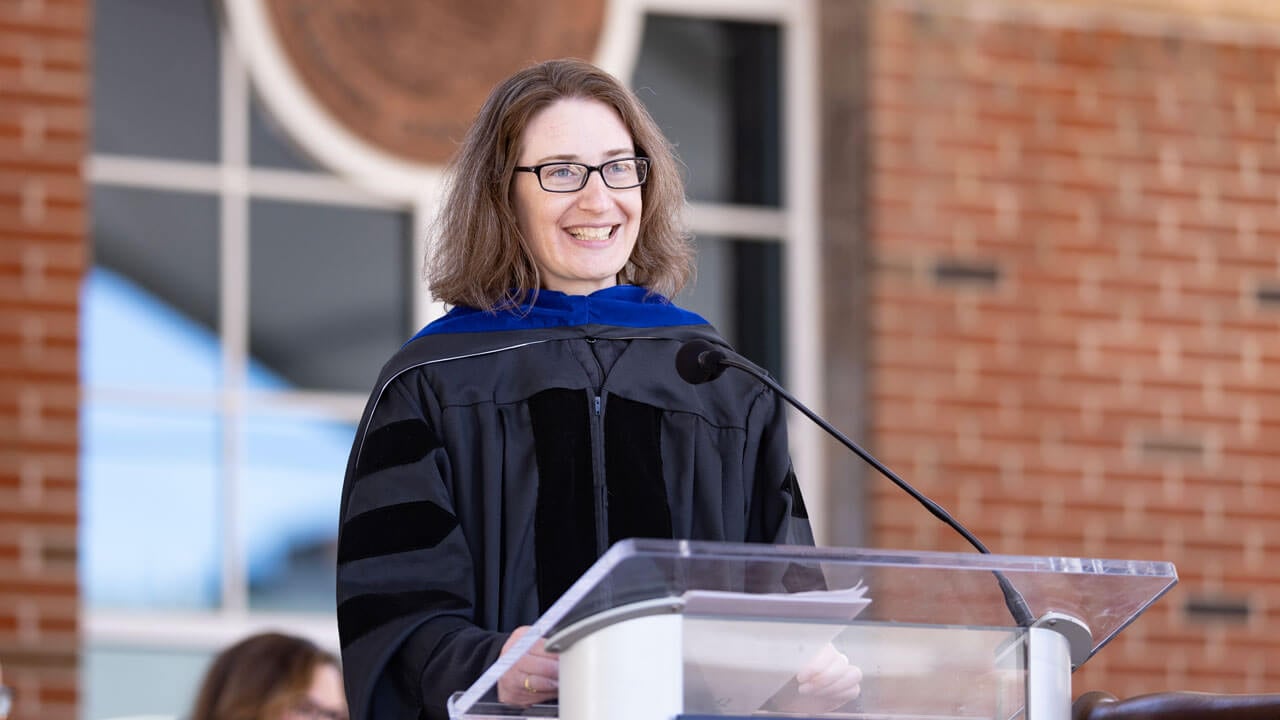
(740,649)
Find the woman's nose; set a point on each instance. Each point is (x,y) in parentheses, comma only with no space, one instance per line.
(595,193)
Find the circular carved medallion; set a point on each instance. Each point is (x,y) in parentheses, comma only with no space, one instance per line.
(407,75)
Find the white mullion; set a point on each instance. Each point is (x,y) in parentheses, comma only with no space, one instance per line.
(207,178)
(779,11)
(803,269)
(194,630)
(738,221)
(333,404)
(209,401)
(315,188)
(234,321)
(153,174)
(345,407)
(618,46)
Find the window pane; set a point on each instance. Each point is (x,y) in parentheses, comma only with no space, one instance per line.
(714,87)
(149,507)
(292,488)
(131,682)
(151,307)
(155,78)
(269,144)
(329,293)
(739,289)
(758,303)
(711,292)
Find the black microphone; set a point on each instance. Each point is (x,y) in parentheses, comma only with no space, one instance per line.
(699,361)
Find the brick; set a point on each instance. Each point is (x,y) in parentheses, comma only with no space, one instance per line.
(1138,288)
(45,19)
(44,53)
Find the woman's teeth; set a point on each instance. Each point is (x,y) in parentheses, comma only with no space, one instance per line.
(595,233)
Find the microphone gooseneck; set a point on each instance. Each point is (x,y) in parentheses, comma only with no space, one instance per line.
(699,361)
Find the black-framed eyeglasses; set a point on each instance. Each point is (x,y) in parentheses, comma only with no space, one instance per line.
(566,177)
(6,701)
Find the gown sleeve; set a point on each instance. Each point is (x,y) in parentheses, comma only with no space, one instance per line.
(778,513)
(406,590)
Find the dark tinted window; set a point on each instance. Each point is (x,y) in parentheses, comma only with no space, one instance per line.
(156,79)
(328,292)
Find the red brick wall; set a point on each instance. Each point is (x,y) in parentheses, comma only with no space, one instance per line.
(1074,293)
(44,92)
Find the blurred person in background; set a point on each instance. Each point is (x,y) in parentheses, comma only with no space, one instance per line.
(272,676)
(511,442)
(6,697)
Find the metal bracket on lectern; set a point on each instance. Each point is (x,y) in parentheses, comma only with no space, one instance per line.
(1079,638)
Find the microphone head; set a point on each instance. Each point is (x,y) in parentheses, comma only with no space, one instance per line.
(698,361)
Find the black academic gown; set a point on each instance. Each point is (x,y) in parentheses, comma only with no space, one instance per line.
(501,454)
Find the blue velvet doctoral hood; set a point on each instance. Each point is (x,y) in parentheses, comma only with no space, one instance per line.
(620,305)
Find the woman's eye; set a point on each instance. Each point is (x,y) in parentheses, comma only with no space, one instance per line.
(562,171)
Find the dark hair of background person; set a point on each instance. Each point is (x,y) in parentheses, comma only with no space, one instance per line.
(477,257)
(261,676)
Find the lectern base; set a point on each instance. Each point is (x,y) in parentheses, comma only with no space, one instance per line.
(643,682)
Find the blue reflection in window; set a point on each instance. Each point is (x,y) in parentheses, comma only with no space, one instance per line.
(152,476)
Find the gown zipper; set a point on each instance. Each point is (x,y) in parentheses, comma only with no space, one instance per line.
(598,483)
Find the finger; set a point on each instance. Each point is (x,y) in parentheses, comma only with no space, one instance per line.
(514,638)
(539,664)
(511,692)
(818,663)
(540,649)
(548,667)
(845,688)
(832,673)
(537,659)
(539,685)
(839,692)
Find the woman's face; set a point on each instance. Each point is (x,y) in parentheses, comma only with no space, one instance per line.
(579,240)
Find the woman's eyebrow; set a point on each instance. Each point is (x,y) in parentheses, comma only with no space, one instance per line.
(573,157)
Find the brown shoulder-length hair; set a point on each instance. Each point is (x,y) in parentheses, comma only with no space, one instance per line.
(477,256)
(259,678)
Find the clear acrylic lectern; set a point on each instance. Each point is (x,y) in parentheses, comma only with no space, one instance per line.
(665,629)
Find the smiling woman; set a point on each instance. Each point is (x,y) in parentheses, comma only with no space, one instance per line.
(511,442)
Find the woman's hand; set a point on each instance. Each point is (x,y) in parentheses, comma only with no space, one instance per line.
(534,678)
(827,682)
